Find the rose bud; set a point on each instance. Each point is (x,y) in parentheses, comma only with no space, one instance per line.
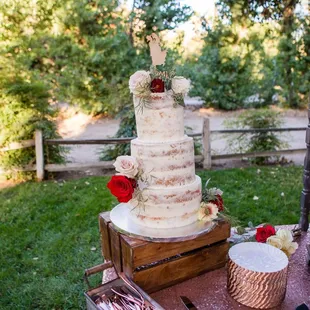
(157,86)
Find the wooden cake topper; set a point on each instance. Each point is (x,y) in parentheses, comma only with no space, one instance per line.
(158,56)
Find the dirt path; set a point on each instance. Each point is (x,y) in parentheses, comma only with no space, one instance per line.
(82,126)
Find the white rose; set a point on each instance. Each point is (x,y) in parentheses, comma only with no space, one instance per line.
(275,241)
(127,166)
(288,246)
(207,212)
(180,85)
(139,82)
(285,235)
(291,248)
(142,184)
(215,191)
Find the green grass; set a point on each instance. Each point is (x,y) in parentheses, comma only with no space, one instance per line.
(48,229)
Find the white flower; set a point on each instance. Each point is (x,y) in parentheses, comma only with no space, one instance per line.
(258,171)
(255,198)
(180,85)
(127,166)
(215,191)
(275,241)
(282,194)
(285,235)
(288,246)
(142,184)
(207,212)
(139,81)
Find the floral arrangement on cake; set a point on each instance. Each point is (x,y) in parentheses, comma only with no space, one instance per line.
(143,83)
(160,78)
(212,204)
(128,183)
(281,238)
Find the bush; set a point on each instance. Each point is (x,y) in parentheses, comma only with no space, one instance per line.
(260,141)
(127,129)
(24,107)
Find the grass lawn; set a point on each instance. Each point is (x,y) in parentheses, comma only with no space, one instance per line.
(49,230)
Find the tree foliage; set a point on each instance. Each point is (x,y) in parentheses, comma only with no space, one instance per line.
(148,16)
(258,141)
(24,107)
(255,53)
(78,51)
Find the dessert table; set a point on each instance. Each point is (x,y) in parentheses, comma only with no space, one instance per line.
(208,291)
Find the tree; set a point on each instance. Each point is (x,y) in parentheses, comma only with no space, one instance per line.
(149,16)
(234,69)
(254,50)
(24,107)
(146,17)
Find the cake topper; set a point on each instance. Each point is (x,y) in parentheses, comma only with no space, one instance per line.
(158,56)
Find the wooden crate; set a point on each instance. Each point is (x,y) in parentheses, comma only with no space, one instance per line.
(154,266)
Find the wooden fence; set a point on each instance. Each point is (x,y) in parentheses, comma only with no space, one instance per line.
(206,158)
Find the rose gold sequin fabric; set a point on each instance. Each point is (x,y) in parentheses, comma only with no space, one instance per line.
(209,291)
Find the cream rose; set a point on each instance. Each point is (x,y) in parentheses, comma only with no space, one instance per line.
(285,235)
(180,85)
(275,241)
(288,246)
(127,166)
(139,82)
(215,191)
(207,212)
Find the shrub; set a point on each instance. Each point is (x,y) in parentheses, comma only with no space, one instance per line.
(24,107)
(259,141)
(127,129)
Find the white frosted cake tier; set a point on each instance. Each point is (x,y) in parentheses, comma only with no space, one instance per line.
(169,207)
(166,164)
(160,120)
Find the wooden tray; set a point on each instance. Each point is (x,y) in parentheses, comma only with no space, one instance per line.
(119,281)
(153,265)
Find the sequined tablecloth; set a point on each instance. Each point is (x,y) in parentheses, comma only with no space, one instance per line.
(209,291)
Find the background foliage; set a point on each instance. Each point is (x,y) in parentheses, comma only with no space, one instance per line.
(24,107)
(86,50)
(250,54)
(255,53)
(258,141)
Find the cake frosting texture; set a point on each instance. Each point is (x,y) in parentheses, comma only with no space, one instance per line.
(166,159)
(167,164)
(170,207)
(160,120)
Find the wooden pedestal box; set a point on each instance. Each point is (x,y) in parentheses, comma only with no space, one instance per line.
(154,266)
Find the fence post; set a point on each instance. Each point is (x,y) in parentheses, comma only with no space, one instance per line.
(206,143)
(39,155)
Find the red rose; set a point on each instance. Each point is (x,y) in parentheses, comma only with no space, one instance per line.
(157,86)
(218,201)
(263,233)
(122,187)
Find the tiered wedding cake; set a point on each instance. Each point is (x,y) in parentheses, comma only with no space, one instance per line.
(166,156)
(158,180)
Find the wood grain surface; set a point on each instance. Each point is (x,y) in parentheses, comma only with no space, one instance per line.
(178,270)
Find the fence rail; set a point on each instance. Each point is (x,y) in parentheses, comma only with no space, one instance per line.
(206,158)
(18,145)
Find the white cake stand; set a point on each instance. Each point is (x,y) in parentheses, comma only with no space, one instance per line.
(120,218)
